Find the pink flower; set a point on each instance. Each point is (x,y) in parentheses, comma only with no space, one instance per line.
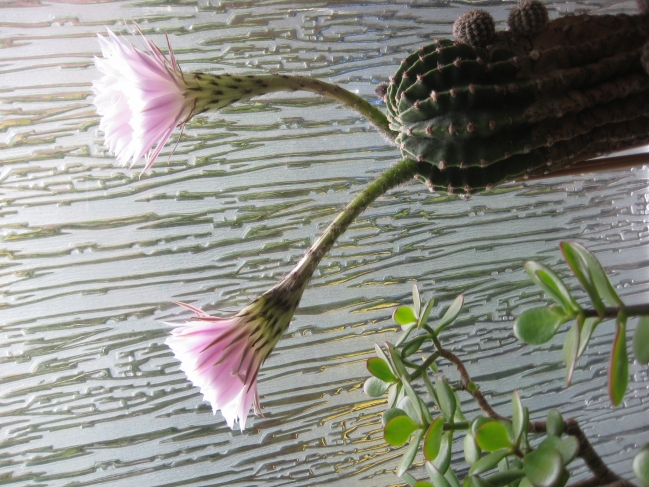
(222,356)
(140,98)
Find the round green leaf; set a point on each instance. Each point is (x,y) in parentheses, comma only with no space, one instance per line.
(573,256)
(443,459)
(569,448)
(474,481)
(488,462)
(410,454)
(641,466)
(478,422)
(500,479)
(641,341)
(436,476)
(409,479)
(518,416)
(410,408)
(404,336)
(393,394)
(416,299)
(618,370)
(459,415)
(472,451)
(433,438)
(554,423)
(374,387)
(493,436)
(586,332)
(423,318)
(392,413)
(423,483)
(398,430)
(543,467)
(404,316)
(412,346)
(538,325)
(597,275)
(571,349)
(399,368)
(552,284)
(452,478)
(451,314)
(380,369)
(446,398)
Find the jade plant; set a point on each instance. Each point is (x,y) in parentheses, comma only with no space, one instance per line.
(501,450)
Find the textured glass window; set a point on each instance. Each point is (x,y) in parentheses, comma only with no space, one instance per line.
(93,255)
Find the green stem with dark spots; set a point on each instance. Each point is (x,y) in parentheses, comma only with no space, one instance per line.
(394,176)
(211,91)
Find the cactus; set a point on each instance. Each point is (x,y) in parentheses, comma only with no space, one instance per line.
(527,18)
(490,108)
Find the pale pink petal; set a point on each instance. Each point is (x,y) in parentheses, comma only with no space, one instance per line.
(140,97)
(219,357)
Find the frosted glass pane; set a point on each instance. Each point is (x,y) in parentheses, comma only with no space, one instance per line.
(93,255)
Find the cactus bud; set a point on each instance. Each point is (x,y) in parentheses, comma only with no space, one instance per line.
(527,18)
(381,90)
(475,28)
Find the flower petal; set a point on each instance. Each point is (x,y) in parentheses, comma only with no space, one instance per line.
(140,98)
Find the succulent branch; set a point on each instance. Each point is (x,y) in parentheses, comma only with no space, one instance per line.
(506,440)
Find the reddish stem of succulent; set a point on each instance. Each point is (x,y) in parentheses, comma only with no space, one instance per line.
(466,378)
(602,474)
(464,375)
(596,482)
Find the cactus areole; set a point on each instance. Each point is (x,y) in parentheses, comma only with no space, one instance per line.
(530,102)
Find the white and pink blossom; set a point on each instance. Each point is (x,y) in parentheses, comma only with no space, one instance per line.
(222,356)
(141,98)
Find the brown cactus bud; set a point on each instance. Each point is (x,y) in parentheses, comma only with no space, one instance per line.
(381,90)
(475,28)
(527,18)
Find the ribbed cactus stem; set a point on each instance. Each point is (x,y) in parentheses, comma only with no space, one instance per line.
(302,272)
(215,91)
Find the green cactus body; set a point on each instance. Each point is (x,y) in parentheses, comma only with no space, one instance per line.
(474,117)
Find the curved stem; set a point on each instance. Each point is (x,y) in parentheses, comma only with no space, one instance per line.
(596,482)
(302,272)
(215,91)
(465,377)
(602,474)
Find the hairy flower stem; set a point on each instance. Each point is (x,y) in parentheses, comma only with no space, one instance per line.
(213,91)
(397,174)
